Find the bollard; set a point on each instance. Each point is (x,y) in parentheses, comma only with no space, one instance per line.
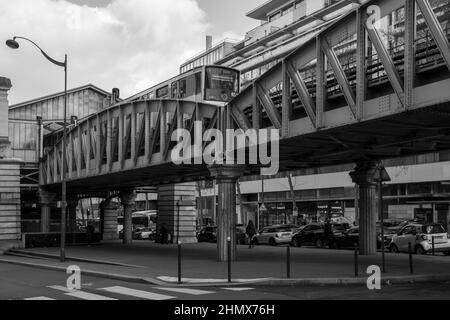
(411,270)
(229,258)
(179,262)
(432,243)
(356,261)
(288,262)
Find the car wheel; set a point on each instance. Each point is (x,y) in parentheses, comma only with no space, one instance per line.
(394,249)
(447,253)
(272,242)
(319,243)
(296,243)
(420,250)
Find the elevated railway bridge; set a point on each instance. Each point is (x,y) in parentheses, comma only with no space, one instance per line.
(366,88)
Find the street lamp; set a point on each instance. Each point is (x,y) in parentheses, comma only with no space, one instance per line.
(13,44)
(381,175)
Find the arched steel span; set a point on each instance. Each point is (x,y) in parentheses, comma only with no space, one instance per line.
(351,98)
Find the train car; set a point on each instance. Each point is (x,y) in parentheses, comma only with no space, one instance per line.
(212,84)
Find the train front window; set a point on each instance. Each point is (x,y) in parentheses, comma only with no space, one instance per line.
(221,84)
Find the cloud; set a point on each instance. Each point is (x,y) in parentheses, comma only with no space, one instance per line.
(129,44)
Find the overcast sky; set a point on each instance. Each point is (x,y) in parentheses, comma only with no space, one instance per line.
(129,44)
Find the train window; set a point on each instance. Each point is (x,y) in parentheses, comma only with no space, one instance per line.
(174,88)
(221,84)
(182,83)
(198,82)
(162,92)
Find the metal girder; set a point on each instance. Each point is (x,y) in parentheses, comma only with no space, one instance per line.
(239,117)
(340,75)
(126,141)
(155,133)
(269,106)
(140,139)
(320,84)
(256,113)
(286,111)
(410,52)
(361,77)
(386,61)
(212,124)
(436,30)
(173,124)
(114,142)
(302,91)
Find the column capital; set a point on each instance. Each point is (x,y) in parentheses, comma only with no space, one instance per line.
(364,173)
(128,197)
(226,172)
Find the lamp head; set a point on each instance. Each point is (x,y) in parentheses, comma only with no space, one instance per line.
(12,43)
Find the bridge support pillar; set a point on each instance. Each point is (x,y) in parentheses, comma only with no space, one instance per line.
(46,200)
(109,214)
(226,177)
(177,211)
(72,215)
(363,176)
(128,198)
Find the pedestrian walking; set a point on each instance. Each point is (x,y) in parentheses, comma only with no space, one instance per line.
(164,234)
(250,231)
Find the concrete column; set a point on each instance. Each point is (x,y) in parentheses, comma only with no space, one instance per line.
(72,205)
(226,177)
(47,200)
(363,176)
(128,198)
(109,209)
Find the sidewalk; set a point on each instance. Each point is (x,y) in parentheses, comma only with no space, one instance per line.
(154,263)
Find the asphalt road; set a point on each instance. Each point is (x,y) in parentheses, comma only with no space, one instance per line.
(19,283)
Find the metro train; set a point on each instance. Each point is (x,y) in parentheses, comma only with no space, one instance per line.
(212,84)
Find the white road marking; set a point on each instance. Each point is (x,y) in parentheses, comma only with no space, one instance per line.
(186,291)
(80,294)
(137,293)
(87,296)
(40,298)
(60,288)
(238,289)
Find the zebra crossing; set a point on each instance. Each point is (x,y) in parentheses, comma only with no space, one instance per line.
(118,292)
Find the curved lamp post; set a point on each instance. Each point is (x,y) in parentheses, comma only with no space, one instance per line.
(13,44)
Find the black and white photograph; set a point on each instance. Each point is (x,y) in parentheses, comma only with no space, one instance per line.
(215,159)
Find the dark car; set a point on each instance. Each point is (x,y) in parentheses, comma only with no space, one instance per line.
(349,238)
(209,234)
(314,235)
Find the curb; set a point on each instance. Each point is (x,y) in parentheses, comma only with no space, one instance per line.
(390,280)
(105,275)
(25,253)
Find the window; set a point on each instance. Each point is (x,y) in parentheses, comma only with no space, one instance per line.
(162,92)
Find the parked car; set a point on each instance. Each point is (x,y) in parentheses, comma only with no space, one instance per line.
(421,238)
(144,234)
(350,237)
(274,235)
(209,234)
(314,235)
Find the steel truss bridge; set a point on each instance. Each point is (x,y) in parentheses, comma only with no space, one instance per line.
(354,93)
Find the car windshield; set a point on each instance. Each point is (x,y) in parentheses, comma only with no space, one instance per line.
(433,229)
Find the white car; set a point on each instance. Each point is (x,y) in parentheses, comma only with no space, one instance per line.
(421,238)
(274,235)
